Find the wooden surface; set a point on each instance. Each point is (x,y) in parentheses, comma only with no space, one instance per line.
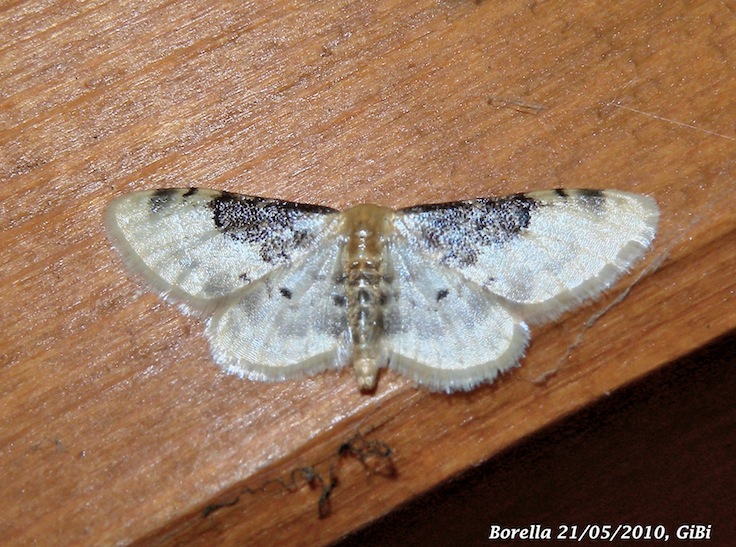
(658,453)
(117,427)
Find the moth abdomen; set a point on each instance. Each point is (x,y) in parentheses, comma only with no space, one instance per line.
(367,227)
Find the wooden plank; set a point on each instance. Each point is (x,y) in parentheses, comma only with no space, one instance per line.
(656,456)
(117,427)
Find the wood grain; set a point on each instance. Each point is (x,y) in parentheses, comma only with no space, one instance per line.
(116,425)
(656,455)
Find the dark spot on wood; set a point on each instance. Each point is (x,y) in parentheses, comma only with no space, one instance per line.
(286,293)
(207,511)
(442,294)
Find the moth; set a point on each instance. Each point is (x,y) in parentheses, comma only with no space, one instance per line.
(442,293)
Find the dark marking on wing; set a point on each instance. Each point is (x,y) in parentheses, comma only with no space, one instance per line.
(276,226)
(189,193)
(458,229)
(593,199)
(339,300)
(442,294)
(162,198)
(286,293)
(562,193)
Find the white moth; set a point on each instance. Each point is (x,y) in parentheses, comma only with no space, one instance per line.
(441,293)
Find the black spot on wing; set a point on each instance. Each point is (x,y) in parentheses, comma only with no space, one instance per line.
(189,193)
(162,198)
(459,229)
(286,293)
(442,294)
(512,214)
(562,193)
(276,227)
